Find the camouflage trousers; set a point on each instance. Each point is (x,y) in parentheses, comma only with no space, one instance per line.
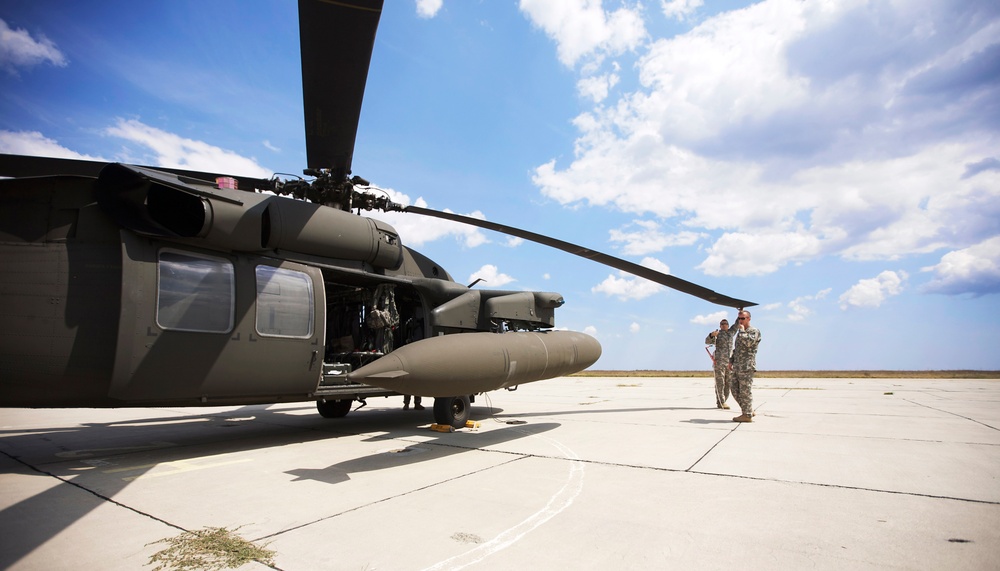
(722,380)
(742,382)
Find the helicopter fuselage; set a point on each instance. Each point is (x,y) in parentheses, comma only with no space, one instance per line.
(141,288)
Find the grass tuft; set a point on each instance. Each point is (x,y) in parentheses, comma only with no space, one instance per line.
(212,549)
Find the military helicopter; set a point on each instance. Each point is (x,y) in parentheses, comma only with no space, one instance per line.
(127,285)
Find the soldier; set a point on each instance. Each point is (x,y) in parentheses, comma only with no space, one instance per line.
(744,364)
(722,338)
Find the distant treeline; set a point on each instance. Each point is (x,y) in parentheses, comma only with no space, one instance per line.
(955,374)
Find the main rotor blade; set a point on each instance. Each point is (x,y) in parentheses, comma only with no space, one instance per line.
(617,263)
(23,165)
(336,38)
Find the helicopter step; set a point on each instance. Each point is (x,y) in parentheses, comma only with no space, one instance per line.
(335,394)
(334,384)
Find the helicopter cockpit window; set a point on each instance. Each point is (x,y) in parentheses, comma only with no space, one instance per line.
(284,303)
(195,293)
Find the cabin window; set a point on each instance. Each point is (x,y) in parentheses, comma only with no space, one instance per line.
(195,293)
(284,303)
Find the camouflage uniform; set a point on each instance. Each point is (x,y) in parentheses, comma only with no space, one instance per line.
(723,349)
(744,366)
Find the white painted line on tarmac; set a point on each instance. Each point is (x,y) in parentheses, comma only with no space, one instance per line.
(556,504)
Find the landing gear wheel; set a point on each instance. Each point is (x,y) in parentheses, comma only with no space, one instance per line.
(333,408)
(452,410)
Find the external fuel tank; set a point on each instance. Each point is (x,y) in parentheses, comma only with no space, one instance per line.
(469,363)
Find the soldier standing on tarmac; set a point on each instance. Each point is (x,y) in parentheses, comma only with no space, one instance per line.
(744,364)
(722,338)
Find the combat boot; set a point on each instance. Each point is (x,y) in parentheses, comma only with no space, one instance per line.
(743,418)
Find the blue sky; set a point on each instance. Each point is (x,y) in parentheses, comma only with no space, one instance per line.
(837,162)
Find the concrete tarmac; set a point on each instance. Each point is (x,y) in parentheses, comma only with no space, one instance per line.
(572,473)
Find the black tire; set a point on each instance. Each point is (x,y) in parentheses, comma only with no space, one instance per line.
(452,410)
(334,408)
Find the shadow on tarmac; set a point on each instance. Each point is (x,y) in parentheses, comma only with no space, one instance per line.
(415,453)
(710,421)
(74,455)
(502,417)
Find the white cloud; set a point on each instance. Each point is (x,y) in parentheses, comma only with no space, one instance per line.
(730,69)
(649,239)
(642,174)
(974,270)
(913,204)
(428,8)
(491,276)
(634,327)
(742,254)
(711,319)
(596,88)
(746,125)
(173,151)
(418,230)
(873,291)
(799,308)
(35,144)
(626,286)
(19,50)
(590,330)
(680,9)
(584,28)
